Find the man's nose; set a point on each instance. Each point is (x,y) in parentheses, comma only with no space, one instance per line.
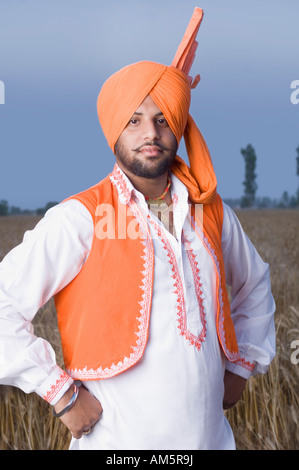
(151,131)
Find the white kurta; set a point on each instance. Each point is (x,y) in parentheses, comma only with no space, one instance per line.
(172,398)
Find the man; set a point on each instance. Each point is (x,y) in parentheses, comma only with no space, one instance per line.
(138,266)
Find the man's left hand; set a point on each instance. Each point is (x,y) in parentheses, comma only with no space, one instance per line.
(233,388)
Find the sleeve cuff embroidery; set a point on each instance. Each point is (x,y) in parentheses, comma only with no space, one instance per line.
(56,389)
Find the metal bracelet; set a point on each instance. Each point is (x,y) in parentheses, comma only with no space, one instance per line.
(70,403)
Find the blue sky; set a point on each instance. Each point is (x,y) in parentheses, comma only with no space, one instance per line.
(55,55)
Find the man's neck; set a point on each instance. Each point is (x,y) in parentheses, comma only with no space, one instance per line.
(151,188)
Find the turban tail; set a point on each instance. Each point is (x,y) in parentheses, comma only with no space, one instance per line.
(170,88)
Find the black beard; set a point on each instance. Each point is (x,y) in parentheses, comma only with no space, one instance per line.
(140,168)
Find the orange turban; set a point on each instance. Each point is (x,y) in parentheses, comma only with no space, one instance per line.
(170,88)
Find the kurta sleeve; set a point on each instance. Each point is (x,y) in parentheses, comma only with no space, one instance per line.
(252,304)
(49,257)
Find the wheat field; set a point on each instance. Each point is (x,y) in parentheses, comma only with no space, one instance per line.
(266,417)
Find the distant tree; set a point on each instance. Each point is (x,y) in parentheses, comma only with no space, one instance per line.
(285,200)
(15,210)
(264,202)
(249,183)
(43,210)
(3,207)
(294,200)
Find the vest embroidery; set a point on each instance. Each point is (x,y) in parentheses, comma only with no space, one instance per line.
(198,289)
(179,290)
(233,357)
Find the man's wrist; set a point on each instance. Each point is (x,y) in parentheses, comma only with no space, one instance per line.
(67,401)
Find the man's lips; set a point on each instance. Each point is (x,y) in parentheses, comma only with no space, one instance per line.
(151,150)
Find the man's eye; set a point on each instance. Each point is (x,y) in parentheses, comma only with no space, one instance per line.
(162,121)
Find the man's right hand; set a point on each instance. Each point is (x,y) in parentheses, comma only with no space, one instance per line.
(83,415)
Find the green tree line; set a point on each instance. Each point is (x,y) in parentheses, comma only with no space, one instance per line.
(5,209)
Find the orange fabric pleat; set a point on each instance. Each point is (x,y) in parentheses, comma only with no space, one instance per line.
(185,54)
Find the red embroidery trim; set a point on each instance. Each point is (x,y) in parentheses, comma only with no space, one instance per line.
(198,286)
(55,389)
(121,184)
(246,364)
(174,200)
(179,290)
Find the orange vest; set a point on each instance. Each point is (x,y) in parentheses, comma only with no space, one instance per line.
(104,312)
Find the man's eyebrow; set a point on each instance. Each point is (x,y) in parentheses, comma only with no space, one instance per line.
(141,114)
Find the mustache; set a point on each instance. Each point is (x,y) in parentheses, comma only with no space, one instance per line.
(149,144)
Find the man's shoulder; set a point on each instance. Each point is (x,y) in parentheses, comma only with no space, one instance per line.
(93,195)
